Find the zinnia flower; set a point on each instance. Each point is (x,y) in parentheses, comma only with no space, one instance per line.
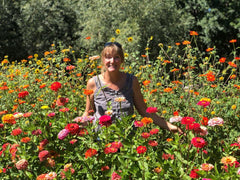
(63,133)
(207,167)
(229,160)
(216,121)
(138,124)
(55,86)
(22,164)
(141,149)
(62,101)
(51,175)
(145,135)
(203,103)
(16,132)
(8,118)
(120,99)
(115,176)
(90,152)
(193,174)
(43,155)
(154,131)
(198,142)
(105,120)
(146,120)
(175,119)
(187,120)
(73,128)
(23,94)
(152,143)
(152,110)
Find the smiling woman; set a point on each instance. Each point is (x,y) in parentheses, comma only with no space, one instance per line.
(113,84)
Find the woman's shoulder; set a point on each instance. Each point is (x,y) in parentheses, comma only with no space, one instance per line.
(91,83)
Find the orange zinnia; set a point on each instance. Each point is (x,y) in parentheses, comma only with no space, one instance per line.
(146,120)
(177,44)
(174,70)
(144,55)
(146,82)
(167,90)
(232,64)
(193,33)
(88,91)
(186,42)
(209,49)
(222,59)
(233,41)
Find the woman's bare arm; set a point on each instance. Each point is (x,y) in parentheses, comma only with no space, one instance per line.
(142,107)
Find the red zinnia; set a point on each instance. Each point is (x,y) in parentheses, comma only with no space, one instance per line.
(204,121)
(82,132)
(198,142)
(73,128)
(16,132)
(187,120)
(25,139)
(193,174)
(109,150)
(23,94)
(141,149)
(55,86)
(222,60)
(90,152)
(116,144)
(194,126)
(105,120)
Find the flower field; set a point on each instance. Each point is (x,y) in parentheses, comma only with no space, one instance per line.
(43,97)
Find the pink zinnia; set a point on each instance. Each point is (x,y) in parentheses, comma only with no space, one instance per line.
(63,133)
(105,120)
(151,110)
(145,135)
(152,143)
(116,144)
(52,114)
(36,132)
(22,164)
(175,119)
(62,101)
(216,121)
(138,124)
(115,176)
(154,131)
(43,155)
(203,103)
(198,142)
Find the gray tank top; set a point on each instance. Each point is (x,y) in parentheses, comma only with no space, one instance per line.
(100,101)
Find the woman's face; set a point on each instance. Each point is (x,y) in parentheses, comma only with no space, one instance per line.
(112,60)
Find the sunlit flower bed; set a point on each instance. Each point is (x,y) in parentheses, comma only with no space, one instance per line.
(42,100)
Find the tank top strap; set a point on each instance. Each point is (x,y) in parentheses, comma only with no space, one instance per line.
(97,81)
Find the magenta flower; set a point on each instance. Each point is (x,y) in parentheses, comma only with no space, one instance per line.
(138,124)
(203,103)
(105,120)
(63,133)
(151,110)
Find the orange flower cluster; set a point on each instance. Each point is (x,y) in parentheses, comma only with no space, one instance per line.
(146,82)
(146,120)
(210,76)
(167,90)
(193,33)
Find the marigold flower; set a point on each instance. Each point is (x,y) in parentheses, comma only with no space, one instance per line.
(90,153)
(141,149)
(146,120)
(198,142)
(22,164)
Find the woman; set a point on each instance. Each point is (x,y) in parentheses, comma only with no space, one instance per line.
(112,86)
